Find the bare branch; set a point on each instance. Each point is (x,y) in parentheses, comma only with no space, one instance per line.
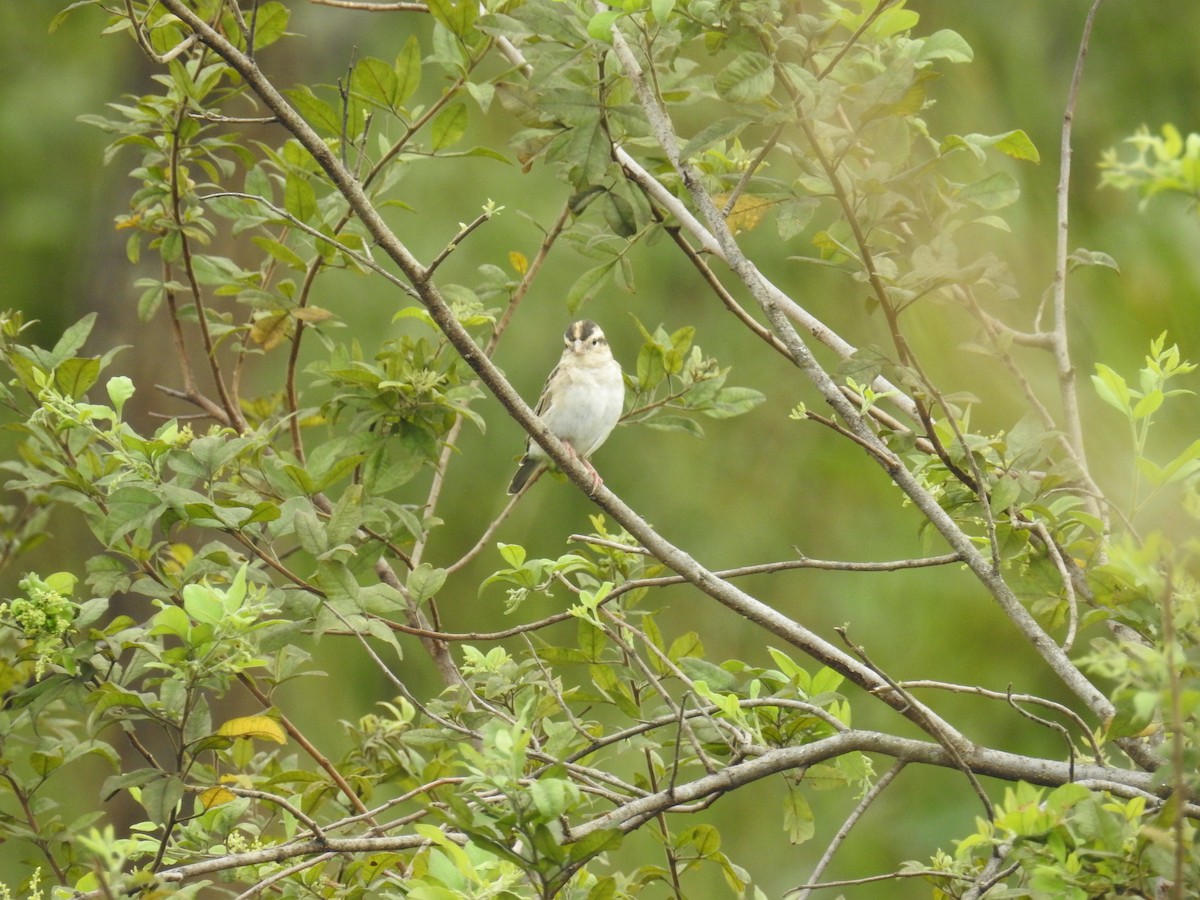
(851,820)
(1062,353)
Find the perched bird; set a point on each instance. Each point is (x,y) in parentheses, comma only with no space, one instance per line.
(580,403)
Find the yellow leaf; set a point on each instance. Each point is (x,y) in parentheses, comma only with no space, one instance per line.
(262,727)
(747,212)
(215,796)
(312,314)
(268,330)
(517,260)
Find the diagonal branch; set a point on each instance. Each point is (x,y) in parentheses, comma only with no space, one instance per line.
(727,594)
(767,296)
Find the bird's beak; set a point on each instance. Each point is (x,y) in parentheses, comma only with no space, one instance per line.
(577,347)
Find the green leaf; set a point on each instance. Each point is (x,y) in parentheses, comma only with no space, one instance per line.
(996,191)
(1082,257)
(424,582)
(1112,388)
(1148,405)
(270,23)
(160,797)
(457,15)
(74,376)
(346,516)
(281,252)
(203,604)
(449,126)
(408,69)
(600,26)
(748,78)
(376,81)
(316,111)
(120,388)
(172,620)
(825,681)
(299,198)
(587,285)
(553,796)
(513,554)
(798,819)
(945,44)
(710,134)
(310,532)
(130,508)
(686,645)
(662,10)
(71,341)
(703,840)
(702,670)
(1004,493)
(676,423)
(1018,145)
(1182,465)
(734,401)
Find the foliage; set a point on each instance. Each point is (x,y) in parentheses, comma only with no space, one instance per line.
(555,752)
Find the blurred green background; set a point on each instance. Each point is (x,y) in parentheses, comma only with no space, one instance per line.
(728,499)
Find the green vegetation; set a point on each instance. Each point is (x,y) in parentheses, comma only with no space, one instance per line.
(287,635)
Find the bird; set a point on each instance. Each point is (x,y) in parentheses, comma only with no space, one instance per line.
(580,403)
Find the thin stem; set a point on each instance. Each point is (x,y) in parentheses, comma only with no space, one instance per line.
(1062,354)
(838,839)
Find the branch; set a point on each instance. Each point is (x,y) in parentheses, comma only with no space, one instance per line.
(980,761)
(868,798)
(777,312)
(1062,353)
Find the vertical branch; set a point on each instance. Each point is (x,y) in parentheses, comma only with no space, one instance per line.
(1176,656)
(228,402)
(1061,348)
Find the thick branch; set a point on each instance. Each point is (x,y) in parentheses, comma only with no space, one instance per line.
(994,763)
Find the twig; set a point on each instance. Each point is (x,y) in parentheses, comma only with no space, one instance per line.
(298,736)
(853,39)
(1052,550)
(282,874)
(684,725)
(463,231)
(1176,659)
(873,879)
(363,6)
(980,761)
(665,580)
(398,684)
(139,34)
(1054,726)
(755,163)
(868,798)
(1009,696)
(992,873)
(1062,354)
(950,740)
(722,293)
(451,441)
